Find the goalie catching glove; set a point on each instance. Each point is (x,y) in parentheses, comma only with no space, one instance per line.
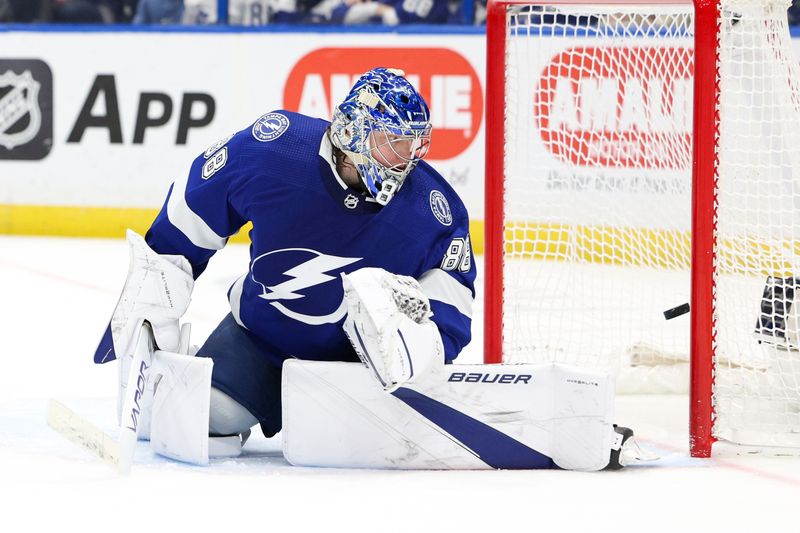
(388,323)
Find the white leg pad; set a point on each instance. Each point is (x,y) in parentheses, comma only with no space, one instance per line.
(180,414)
(459,417)
(146,401)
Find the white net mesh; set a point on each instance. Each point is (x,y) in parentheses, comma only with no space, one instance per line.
(756,393)
(598,185)
(598,200)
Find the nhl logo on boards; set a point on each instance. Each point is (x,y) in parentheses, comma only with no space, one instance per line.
(20,100)
(26,96)
(270,126)
(351,202)
(440,208)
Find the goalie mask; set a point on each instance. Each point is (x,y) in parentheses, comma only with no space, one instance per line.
(384,127)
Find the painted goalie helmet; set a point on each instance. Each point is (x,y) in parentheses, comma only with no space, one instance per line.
(384,127)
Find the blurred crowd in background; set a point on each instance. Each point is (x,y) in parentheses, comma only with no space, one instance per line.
(257,12)
(245,12)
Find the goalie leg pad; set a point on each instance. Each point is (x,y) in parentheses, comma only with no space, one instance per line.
(144,403)
(460,417)
(181,403)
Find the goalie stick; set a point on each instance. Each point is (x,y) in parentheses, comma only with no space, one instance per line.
(118,453)
(174,417)
(82,432)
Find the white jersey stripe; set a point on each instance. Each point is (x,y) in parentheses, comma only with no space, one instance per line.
(235,299)
(440,286)
(188,222)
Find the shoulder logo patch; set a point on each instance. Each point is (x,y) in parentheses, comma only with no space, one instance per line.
(270,127)
(351,202)
(440,208)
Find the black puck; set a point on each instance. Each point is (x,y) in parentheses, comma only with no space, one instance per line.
(682,309)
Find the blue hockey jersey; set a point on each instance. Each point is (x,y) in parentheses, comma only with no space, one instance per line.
(308,229)
(421,11)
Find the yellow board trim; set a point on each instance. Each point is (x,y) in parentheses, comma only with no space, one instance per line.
(605,245)
(67,221)
(111,222)
(656,248)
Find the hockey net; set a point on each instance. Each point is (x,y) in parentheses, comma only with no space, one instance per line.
(589,202)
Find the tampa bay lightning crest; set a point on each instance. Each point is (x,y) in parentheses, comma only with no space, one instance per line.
(441,208)
(270,126)
(298,283)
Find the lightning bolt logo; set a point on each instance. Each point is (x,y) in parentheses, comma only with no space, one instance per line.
(270,126)
(307,274)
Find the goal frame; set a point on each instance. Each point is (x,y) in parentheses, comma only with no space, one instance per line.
(704,180)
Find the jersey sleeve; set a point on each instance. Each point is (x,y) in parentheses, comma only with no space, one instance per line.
(450,286)
(198,215)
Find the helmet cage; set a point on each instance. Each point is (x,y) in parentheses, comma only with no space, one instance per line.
(383,126)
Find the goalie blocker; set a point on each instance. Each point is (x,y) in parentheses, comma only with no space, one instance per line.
(455,417)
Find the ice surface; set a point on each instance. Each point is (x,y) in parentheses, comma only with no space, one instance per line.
(57,297)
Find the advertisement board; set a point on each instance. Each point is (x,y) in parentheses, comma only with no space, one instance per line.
(108,120)
(94,127)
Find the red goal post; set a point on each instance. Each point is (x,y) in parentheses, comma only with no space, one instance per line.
(704,322)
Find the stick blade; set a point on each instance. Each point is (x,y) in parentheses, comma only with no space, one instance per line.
(80,431)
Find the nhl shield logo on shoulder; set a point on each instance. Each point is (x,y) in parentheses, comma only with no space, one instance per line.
(25,109)
(440,208)
(351,202)
(270,127)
